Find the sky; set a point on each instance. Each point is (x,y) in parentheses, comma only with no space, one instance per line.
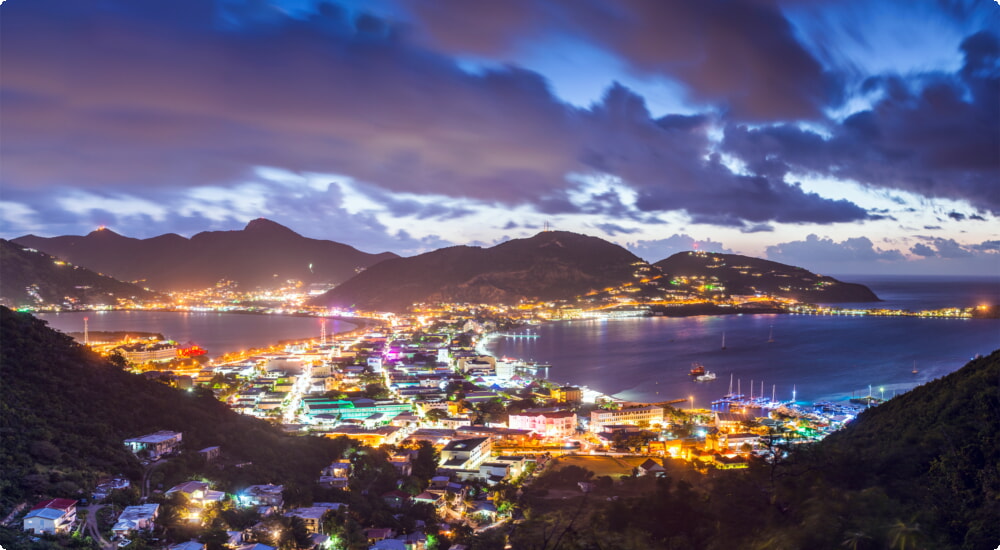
(844,136)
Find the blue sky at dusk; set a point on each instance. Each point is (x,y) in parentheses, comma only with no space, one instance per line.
(843,136)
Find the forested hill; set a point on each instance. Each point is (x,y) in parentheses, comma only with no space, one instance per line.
(31,278)
(551,265)
(748,275)
(66,412)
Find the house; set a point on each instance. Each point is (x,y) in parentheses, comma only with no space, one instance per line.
(197,496)
(376,534)
(389,544)
(466,454)
(651,467)
(156,444)
(197,493)
(51,516)
(401,462)
(262,495)
(336,475)
(136,518)
(210,453)
(311,516)
(106,486)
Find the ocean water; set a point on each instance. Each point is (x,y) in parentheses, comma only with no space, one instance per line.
(821,358)
(219,333)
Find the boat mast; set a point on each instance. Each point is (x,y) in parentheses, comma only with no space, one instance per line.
(730,384)
(723,340)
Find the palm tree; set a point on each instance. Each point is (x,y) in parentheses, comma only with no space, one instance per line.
(853,539)
(904,535)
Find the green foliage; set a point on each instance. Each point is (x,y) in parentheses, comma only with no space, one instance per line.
(65,413)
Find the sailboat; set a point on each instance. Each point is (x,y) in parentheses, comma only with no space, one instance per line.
(723,340)
(770,337)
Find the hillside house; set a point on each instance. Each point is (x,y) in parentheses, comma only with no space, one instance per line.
(51,516)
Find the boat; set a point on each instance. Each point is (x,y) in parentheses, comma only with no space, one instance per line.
(707,377)
(697,369)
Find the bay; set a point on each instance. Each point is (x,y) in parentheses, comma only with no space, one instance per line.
(219,333)
(822,358)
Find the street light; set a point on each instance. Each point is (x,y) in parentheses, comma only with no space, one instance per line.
(882,392)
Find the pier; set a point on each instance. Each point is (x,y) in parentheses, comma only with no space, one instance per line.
(527,335)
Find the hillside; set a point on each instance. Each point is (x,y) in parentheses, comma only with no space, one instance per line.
(917,472)
(552,265)
(29,278)
(263,254)
(66,412)
(746,275)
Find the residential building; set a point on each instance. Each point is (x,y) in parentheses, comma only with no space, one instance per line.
(51,516)
(311,516)
(136,518)
(262,495)
(466,454)
(156,444)
(336,475)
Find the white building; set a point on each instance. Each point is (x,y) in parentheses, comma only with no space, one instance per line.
(648,415)
(155,444)
(466,454)
(51,516)
(136,518)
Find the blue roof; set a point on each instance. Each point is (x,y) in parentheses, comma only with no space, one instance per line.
(47,513)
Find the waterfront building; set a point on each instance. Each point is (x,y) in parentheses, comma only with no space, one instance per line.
(648,415)
(557,424)
(142,352)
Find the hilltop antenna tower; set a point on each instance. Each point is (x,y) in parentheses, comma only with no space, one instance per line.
(322,332)
(546,227)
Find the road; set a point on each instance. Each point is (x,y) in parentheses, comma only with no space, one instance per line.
(91,528)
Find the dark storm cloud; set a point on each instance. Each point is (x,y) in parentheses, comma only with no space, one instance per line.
(937,136)
(742,55)
(155,100)
(957,216)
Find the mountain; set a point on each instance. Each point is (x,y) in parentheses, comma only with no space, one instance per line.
(67,411)
(746,275)
(264,254)
(31,278)
(552,265)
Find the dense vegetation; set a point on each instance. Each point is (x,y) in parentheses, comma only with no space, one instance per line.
(66,412)
(920,471)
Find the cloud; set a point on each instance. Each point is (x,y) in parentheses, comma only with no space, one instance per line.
(946,248)
(612,229)
(818,251)
(743,55)
(655,250)
(957,216)
(937,135)
(191,97)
